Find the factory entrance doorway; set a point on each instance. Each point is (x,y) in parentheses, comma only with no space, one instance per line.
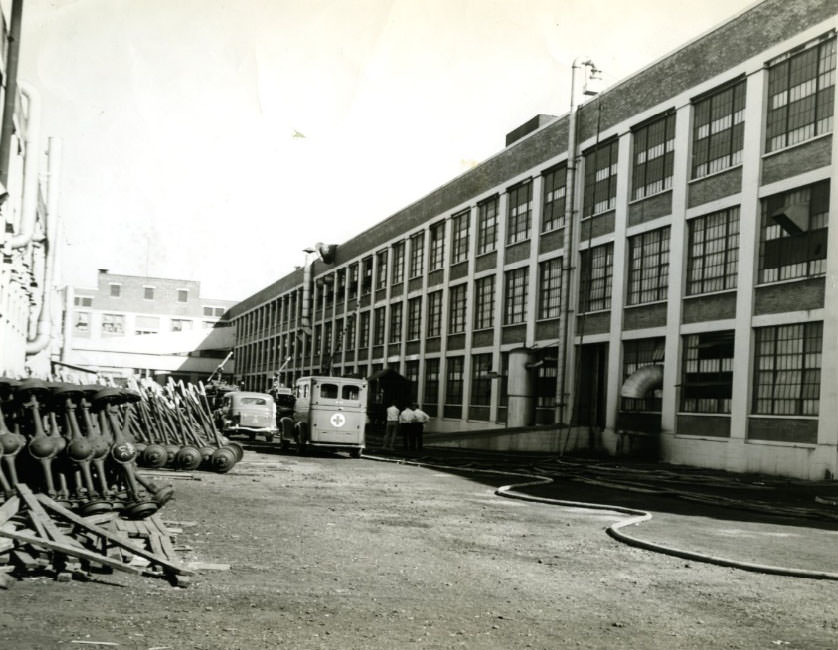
(591,380)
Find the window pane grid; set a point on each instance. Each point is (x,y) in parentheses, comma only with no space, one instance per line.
(654,147)
(800,96)
(454,381)
(437,246)
(718,131)
(487,226)
(417,255)
(555,194)
(396,322)
(595,278)
(398,263)
(457,309)
(414,318)
(600,179)
(550,288)
(707,380)
(515,303)
(459,244)
(431,384)
(636,354)
(520,211)
(434,313)
(648,266)
(484,307)
(481,382)
(787,369)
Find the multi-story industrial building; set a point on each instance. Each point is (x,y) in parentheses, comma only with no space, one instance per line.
(136,325)
(655,265)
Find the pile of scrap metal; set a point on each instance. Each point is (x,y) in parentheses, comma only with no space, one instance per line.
(174,429)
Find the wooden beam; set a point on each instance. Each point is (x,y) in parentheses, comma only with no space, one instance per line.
(9,509)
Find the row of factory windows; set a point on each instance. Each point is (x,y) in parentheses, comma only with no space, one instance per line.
(800,107)
(786,375)
(792,244)
(84,325)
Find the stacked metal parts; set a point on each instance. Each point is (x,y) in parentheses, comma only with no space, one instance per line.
(81,444)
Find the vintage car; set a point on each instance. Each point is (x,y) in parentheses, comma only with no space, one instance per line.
(250,413)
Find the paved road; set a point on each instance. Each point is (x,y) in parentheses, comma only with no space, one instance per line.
(329,552)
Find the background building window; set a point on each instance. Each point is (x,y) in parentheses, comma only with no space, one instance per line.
(654,147)
(379,326)
(182,295)
(82,301)
(457,309)
(550,288)
(366,282)
(82,322)
(148,293)
(707,382)
(398,262)
(515,296)
(434,313)
(459,237)
(555,192)
(353,282)
(787,369)
(481,381)
(520,213)
(349,334)
(718,130)
(417,255)
(116,290)
(638,353)
(364,330)
(595,278)
(484,302)
(600,178)
(411,373)
(431,386)
(414,318)
(437,246)
(454,382)
(381,275)
(113,324)
(487,225)
(148,324)
(648,278)
(396,322)
(801,95)
(713,252)
(793,237)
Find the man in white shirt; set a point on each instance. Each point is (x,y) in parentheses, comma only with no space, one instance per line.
(420,417)
(406,426)
(392,426)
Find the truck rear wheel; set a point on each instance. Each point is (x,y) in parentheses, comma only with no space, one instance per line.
(356,453)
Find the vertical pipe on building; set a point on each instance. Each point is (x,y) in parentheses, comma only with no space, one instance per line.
(12,58)
(569,249)
(42,337)
(29,207)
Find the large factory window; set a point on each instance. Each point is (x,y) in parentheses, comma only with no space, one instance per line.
(707,382)
(555,191)
(454,387)
(484,302)
(481,381)
(366,282)
(364,330)
(459,237)
(487,225)
(595,278)
(550,288)
(793,237)
(637,354)
(787,369)
(648,277)
(434,314)
(396,322)
(600,178)
(801,95)
(378,327)
(654,154)
(515,296)
(411,373)
(381,274)
(718,129)
(713,252)
(414,318)
(457,309)
(398,262)
(417,255)
(437,246)
(520,213)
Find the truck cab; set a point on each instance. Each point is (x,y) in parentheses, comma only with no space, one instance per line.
(329,412)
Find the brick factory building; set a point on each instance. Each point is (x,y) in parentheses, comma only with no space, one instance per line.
(653,269)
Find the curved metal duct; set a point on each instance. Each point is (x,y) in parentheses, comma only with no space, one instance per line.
(641,381)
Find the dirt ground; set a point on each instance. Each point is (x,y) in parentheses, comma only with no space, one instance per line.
(331,552)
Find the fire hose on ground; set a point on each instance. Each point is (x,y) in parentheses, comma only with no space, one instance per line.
(615,531)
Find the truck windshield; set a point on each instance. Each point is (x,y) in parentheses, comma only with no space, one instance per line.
(329,391)
(351,393)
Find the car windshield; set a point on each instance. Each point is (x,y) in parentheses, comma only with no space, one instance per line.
(252,401)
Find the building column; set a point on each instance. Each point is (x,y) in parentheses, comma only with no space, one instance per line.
(749,218)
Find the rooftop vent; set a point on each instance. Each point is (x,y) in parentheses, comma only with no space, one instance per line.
(528,127)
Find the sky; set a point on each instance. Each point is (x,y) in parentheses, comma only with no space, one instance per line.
(214,140)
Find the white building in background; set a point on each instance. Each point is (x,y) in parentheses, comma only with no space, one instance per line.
(137,325)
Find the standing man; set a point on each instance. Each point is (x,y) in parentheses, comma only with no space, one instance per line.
(420,417)
(392,426)
(407,427)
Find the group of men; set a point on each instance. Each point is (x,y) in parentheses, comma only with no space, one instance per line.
(410,422)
